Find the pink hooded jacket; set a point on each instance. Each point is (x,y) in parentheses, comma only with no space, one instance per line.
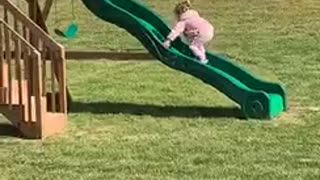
(192,26)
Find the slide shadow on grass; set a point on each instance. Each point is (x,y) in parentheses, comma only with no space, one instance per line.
(156,110)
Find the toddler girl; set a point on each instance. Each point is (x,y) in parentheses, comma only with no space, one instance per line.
(196,29)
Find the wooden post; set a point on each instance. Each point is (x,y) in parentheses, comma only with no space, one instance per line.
(46,9)
(1,58)
(34,9)
(53,62)
(18,68)
(37,89)
(44,69)
(61,77)
(33,17)
(7,35)
(64,97)
(27,64)
(5,15)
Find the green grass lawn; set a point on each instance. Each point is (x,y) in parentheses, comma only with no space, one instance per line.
(142,120)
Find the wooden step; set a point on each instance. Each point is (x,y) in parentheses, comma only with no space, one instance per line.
(50,124)
(27,123)
(20,118)
(4,96)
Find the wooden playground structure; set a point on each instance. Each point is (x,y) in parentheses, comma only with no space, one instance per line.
(33,89)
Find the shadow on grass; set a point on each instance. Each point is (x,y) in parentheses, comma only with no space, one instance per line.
(155,110)
(7,130)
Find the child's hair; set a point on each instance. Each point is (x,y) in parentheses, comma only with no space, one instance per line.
(182,7)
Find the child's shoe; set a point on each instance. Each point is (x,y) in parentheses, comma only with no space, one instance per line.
(205,61)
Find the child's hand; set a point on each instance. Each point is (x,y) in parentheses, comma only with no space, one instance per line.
(166,44)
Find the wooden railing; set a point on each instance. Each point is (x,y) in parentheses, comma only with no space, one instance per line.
(53,73)
(27,25)
(16,76)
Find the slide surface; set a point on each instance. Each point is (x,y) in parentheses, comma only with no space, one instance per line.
(258,99)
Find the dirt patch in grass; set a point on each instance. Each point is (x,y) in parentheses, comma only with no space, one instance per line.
(296,114)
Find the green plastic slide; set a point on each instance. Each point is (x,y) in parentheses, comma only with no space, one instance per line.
(258,99)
